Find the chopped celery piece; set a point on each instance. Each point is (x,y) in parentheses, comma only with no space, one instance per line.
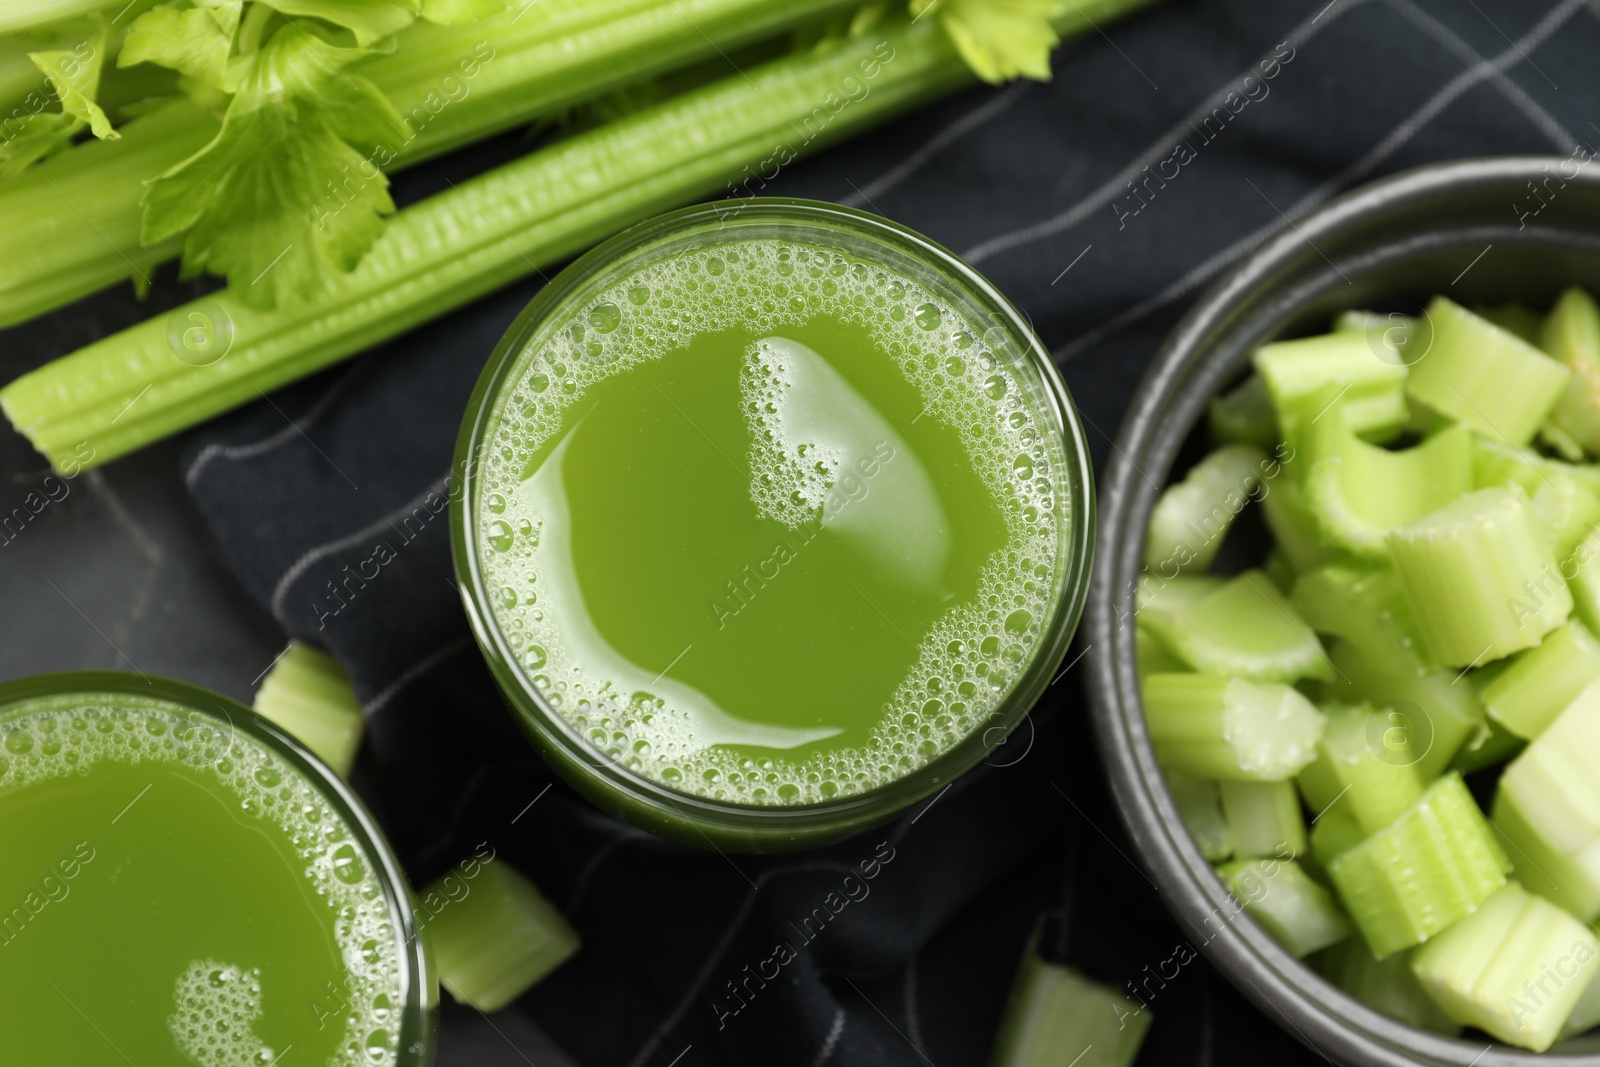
(1492,745)
(1568,511)
(1582,571)
(1361,321)
(1245,628)
(1515,318)
(1154,658)
(1361,769)
(1515,969)
(1264,819)
(1538,683)
(1192,517)
(1585,1013)
(1496,463)
(1294,528)
(1372,388)
(1056,1016)
(1244,416)
(1230,728)
(1359,492)
(308,694)
(1480,577)
(1335,832)
(1167,594)
(1555,778)
(1279,570)
(1571,334)
(1298,913)
(1444,712)
(1387,985)
(1426,870)
(1364,605)
(1199,804)
(1570,880)
(1485,376)
(493,944)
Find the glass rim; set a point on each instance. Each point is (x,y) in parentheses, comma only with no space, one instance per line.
(672,808)
(418,1033)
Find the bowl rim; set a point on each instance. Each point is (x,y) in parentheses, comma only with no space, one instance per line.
(1285,989)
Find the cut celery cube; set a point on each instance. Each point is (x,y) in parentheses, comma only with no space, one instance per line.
(1537,684)
(1361,766)
(308,694)
(1384,985)
(1264,819)
(1297,912)
(1191,519)
(1230,729)
(1199,805)
(1056,1016)
(1245,628)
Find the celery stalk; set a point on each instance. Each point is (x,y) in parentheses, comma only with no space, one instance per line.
(1431,867)
(1296,373)
(1264,819)
(1571,334)
(1496,463)
(1364,605)
(1358,492)
(1055,1015)
(1229,728)
(1515,969)
(1568,879)
(1480,577)
(1244,416)
(1245,628)
(1485,376)
(1191,519)
(1445,711)
(1354,768)
(308,694)
(1297,912)
(1199,804)
(1514,318)
(1387,985)
(498,940)
(18,15)
(127,390)
(1537,684)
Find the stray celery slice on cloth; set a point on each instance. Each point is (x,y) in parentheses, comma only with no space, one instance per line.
(1192,517)
(1536,685)
(1057,1015)
(1365,605)
(1485,376)
(493,944)
(1199,804)
(308,694)
(1515,969)
(1298,913)
(1387,985)
(1246,627)
(1571,335)
(1359,769)
(1480,577)
(1230,729)
(1423,872)
(1360,492)
(1264,819)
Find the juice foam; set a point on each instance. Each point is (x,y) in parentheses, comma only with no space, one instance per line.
(800,458)
(216,1002)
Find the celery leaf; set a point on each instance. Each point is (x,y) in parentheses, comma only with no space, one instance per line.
(194,41)
(30,138)
(74,77)
(369,20)
(288,193)
(999,39)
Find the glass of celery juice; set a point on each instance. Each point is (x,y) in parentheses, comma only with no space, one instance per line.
(182,883)
(776,517)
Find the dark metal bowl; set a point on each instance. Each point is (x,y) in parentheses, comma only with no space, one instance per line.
(1489,230)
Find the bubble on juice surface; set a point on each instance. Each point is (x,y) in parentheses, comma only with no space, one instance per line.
(216,1002)
(967,663)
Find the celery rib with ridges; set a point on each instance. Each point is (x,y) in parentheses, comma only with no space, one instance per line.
(522,68)
(1296,372)
(1451,712)
(1480,577)
(1423,872)
(1538,684)
(1230,729)
(1572,335)
(1348,770)
(1263,818)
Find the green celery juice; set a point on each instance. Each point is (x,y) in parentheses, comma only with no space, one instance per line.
(173,892)
(767,523)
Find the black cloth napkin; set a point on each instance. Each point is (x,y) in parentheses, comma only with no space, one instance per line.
(1102,203)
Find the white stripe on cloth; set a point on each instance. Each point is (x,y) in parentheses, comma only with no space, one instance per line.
(1391,143)
(830,1042)
(281,591)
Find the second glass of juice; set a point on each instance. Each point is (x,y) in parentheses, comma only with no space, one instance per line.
(775,517)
